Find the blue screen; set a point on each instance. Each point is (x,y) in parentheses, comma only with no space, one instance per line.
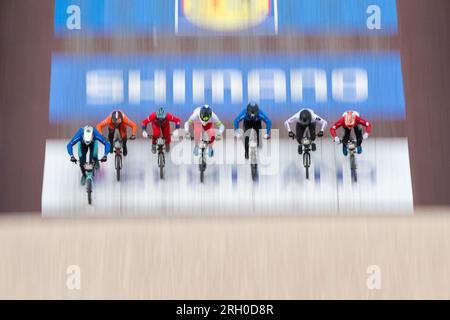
(87,88)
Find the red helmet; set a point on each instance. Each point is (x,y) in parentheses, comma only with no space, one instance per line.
(350,118)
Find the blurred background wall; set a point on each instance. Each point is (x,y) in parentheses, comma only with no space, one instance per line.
(27,41)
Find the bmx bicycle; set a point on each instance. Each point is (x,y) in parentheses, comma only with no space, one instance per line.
(89,168)
(306,146)
(118,145)
(252,135)
(160,148)
(203,145)
(161,151)
(351,146)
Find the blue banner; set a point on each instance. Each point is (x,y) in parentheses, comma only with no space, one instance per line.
(235,17)
(88,87)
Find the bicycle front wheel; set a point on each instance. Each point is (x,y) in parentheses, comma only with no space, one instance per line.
(353,169)
(118,167)
(307,163)
(89,190)
(161,162)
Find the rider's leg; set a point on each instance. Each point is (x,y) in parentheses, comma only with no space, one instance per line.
(93,149)
(345,140)
(299,132)
(124,145)
(156,134)
(166,134)
(209,128)
(111,139)
(258,126)
(359,138)
(198,131)
(312,135)
(247,127)
(82,153)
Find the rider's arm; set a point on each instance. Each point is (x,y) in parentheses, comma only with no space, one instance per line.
(147,120)
(103,124)
(290,121)
(218,124)
(239,118)
(364,123)
(336,126)
(320,120)
(99,137)
(174,119)
(266,120)
(130,124)
(189,122)
(76,138)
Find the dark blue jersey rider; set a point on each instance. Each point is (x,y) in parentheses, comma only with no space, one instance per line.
(252,117)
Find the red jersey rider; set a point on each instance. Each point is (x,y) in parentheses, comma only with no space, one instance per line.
(160,120)
(351,120)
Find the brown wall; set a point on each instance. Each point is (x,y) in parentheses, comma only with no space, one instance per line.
(26,28)
(26,35)
(424,28)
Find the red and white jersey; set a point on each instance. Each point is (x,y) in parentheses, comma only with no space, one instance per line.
(195,117)
(357,121)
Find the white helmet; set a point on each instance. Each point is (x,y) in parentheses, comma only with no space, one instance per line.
(88,135)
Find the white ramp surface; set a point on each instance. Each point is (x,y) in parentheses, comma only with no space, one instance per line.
(383,187)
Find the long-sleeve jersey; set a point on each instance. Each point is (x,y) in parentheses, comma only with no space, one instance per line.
(261,116)
(123,127)
(358,121)
(314,119)
(78,138)
(195,117)
(169,117)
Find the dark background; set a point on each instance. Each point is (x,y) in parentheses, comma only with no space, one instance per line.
(26,43)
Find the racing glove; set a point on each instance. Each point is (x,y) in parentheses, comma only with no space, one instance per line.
(133,137)
(337,140)
(104,159)
(238,133)
(291,135)
(320,134)
(72,159)
(365,136)
(144,134)
(266,136)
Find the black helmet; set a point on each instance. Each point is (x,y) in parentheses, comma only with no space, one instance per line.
(205,113)
(305,118)
(252,110)
(117,118)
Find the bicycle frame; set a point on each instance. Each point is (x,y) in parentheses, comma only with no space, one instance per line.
(306,144)
(89,168)
(118,145)
(253,146)
(202,145)
(351,146)
(160,145)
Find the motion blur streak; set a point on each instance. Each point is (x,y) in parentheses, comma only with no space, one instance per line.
(384,184)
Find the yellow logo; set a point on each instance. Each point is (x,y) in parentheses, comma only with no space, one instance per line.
(226,15)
